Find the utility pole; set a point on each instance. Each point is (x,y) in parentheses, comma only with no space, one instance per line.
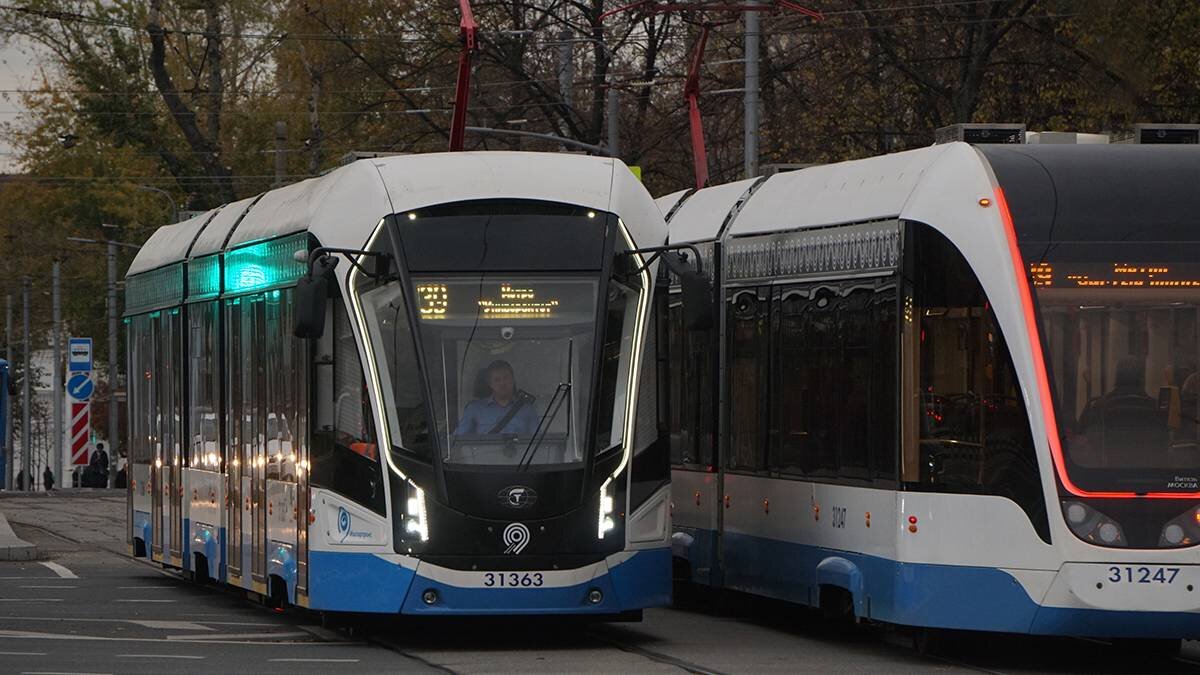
(8,356)
(280,152)
(566,67)
(55,445)
(750,142)
(26,376)
(614,123)
(112,363)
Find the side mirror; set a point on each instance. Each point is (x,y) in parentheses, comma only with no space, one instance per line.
(697,293)
(312,295)
(697,301)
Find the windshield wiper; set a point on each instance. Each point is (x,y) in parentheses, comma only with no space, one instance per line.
(552,408)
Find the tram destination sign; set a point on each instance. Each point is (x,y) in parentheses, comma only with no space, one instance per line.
(864,248)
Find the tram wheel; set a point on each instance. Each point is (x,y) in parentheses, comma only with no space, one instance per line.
(927,641)
(200,570)
(837,605)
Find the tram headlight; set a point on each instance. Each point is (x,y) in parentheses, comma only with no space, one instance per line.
(415,521)
(1182,530)
(606,523)
(1090,525)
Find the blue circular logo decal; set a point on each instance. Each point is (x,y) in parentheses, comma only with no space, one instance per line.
(343,520)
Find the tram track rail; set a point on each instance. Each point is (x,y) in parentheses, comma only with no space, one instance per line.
(659,657)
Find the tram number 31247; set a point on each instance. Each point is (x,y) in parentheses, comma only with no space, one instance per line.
(838,519)
(512,579)
(1142,575)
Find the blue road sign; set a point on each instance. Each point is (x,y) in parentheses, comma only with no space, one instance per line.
(80,386)
(79,355)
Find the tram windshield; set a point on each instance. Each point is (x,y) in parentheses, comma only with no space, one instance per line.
(509,362)
(1122,350)
(506,344)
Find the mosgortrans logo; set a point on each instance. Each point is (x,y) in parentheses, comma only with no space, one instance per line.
(345,526)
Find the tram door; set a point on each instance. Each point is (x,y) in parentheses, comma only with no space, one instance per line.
(175,446)
(297,372)
(165,474)
(155,421)
(235,462)
(254,362)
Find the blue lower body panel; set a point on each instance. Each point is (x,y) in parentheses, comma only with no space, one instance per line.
(926,595)
(356,582)
(142,530)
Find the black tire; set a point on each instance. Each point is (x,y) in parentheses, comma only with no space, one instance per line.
(928,641)
(837,605)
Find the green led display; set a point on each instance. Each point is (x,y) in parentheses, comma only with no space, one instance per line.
(265,265)
(155,289)
(204,278)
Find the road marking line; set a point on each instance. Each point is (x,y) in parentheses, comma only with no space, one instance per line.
(158,656)
(133,600)
(30,599)
(31,635)
(61,571)
(43,586)
(59,672)
(237,636)
(22,653)
(170,625)
(313,660)
(138,588)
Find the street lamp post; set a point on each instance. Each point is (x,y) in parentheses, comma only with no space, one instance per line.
(164,193)
(111,255)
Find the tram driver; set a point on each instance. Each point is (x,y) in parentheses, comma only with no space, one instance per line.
(500,408)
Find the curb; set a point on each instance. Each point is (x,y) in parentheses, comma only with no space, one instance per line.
(13,547)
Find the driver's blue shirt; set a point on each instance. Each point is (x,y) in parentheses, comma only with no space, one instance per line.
(482,415)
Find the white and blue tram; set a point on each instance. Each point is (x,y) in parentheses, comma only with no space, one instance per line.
(951,388)
(422,384)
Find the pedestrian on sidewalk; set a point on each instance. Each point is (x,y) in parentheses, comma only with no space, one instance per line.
(21,480)
(48,479)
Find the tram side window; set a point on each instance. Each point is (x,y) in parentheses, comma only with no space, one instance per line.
(650,462)
(204,447)
(345,453)
(169,413)
(749,353)
(279,396)
(836,374)
(689,389)
(967,430)
(142,404)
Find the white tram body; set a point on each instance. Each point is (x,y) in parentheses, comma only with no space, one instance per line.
(465,436)
(953,387)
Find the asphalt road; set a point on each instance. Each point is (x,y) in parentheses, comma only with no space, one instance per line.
(86,607)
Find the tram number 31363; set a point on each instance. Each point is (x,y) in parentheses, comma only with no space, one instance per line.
(1142,575)
(512,579)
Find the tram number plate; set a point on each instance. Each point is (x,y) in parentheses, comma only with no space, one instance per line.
(1129,574)
(511,579)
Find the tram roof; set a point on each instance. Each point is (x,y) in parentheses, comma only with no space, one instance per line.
(214,235)
(702,215)
(830,194)
(668,202)
(344,206)
(170,244)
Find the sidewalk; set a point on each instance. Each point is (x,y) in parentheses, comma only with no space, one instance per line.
(89,516)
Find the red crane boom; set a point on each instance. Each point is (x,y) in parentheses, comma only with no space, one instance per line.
(462,87)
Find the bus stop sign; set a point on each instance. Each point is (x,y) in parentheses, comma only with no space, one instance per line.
(79,355)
